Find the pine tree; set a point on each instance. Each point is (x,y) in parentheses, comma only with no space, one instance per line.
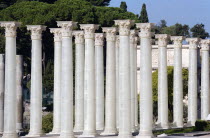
(143,16)
(123,6)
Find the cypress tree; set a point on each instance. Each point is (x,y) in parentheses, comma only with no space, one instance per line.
(123,6)
(143,15)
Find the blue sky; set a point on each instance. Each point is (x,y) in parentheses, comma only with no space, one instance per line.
(188,12)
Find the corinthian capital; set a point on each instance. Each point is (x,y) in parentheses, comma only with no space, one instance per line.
(162,39)
(79,37)
(124,26)
(132,36)
(99,39)
(10,28)
(36,31)
(177,40)
(66,27)
(57,34)
(193,42)
(145,29)
(89,30)
(205,44)
(110,33)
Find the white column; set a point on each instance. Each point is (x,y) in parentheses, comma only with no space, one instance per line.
(10,80)
(146,103)
(192,81)
(57,81)
(178,82)
(135,85)
(19,91)
(89,81)
(79,80)
(2,79)
(132,78)
(66,79)
(205,95)
(117,43)
(162,81)
(99,74)
(110,100)
(36,81)
(124,79)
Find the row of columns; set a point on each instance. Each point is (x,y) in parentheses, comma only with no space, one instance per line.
(121,96)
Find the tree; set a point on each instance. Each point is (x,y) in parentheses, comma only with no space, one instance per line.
(143,15)
(177,30)
(199,31)
(159,27)
(123,6)
(99,2)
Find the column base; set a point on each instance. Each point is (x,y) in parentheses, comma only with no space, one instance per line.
(190,124)
(161,126)
(10,135)
(78,129)
(67,135)
(145,134)
(125,135)
(88,135)
(54,133)
(176,125)
(19,127)
(109,132)
(30,134)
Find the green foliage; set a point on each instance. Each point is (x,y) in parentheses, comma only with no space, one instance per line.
(170,71)
(174,131)
(48,78)
(99,2)
(47,123)
(177,30)
(201,125)
(123,6)
(199,31)
(143,15)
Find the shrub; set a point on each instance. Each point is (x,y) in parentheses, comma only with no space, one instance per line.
(47,123)
(201,125)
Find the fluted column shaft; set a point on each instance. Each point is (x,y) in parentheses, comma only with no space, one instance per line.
(57,81)
(99,74)
(19,89)
(162,82)
(117,79)
(110,102)
(79,81)
(178,82)
(205,95)
(66,79)
(146,103)
(192,81)
(36,80)
(135,85)
(124,79)
(2,80)
(89,81)
(132,78)
(10,80)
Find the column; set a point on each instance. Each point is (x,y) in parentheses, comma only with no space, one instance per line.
(89,81)
(192,81)
(99,74)
(79,80)
(205,101)
(135,85)
(132,78)
(19,91)
(10,80)
(57,81)
(110,102)
(66,79)
(146,103)
(124,78)
(117,43)
(178,82)
(2,79)
(162,81)
(36,81)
